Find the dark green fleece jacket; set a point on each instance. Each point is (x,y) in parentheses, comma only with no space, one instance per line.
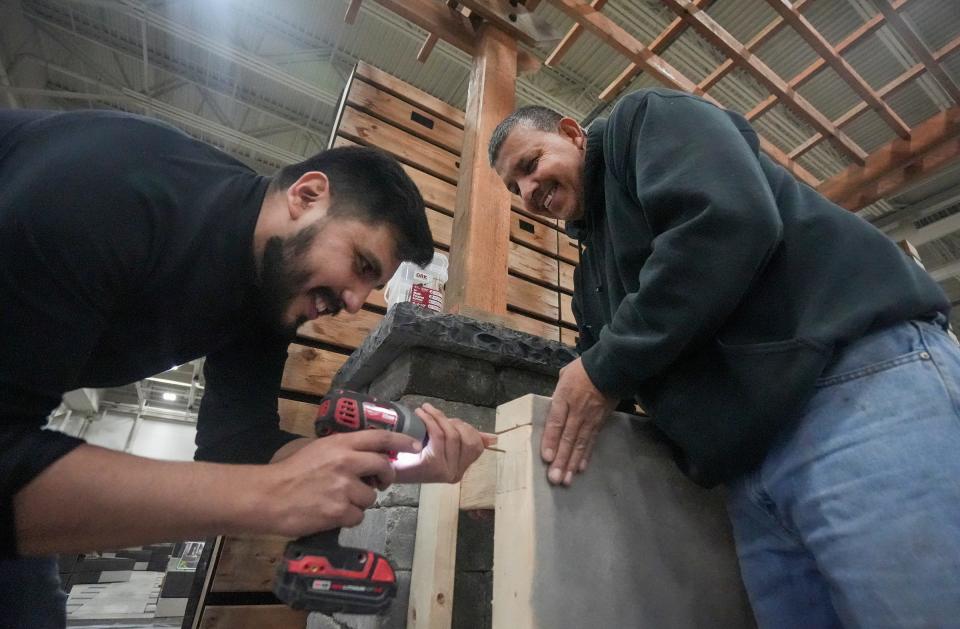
(713,286)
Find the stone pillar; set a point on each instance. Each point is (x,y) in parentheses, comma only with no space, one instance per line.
(466,368)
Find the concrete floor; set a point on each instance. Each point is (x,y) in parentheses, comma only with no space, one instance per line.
(126,605)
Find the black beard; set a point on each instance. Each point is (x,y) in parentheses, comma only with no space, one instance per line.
(281,277)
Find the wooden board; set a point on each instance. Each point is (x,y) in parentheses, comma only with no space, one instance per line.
(377,299)
(365,129)
(297,417)
(344,330)
(441,227)
(434,557)
(566,276)
(407,116)
(398,88)
(517,321)
(567,249)
(252,617)
(649,548)
(479,484)
(531,298)
(437,193)
(568,336)
(533,265)
(566,310)
(533,234)
(247,564)
(310,370)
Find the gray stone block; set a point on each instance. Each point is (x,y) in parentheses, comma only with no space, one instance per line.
(448,376)
(406,326)
(395,617)
(399,496)
(475,542)
(390,531)
(480,417)
(473,600)
(513,383)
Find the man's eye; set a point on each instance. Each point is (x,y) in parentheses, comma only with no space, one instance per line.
(532,165)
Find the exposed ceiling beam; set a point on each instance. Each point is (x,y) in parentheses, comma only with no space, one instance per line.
(711,31)
(891,87)
(570,38)
(624,43)
(840,65)
(515,19)
(946,272)
(928,233)
(933,144)
(918,48)
(658,46)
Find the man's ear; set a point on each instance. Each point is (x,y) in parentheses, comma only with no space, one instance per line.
(570,128)
(305,193)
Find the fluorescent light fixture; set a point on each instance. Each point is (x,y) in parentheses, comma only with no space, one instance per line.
(169,397)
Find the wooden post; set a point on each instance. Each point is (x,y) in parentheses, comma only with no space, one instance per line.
(481,223)
(434,558)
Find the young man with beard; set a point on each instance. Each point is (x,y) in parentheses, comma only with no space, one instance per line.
(783,346)
(127,247)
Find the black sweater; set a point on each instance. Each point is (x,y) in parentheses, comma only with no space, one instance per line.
(126,248)
(715,287)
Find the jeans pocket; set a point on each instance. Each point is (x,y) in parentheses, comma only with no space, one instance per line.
(870,369)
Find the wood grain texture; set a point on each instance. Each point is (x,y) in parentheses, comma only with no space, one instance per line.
(479,485)
(434,557)
(310,370)
(533,234)
(529,297)
(345,330)
(297,417)
(536,327)
(400,89)
(568,336)
(566,276)
(247,564)
(566,310)
(533,265)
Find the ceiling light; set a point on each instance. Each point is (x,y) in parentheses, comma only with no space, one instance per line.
(169,397)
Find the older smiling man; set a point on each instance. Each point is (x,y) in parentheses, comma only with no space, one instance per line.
(783,345)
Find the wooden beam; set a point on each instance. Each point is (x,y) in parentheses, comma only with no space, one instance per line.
(451,26)
(570,38)
(352,10)
(424,53)
(765,35)
(481,224)
(840,65)
(620,40)
(901,159)
(658,45)
(479,485)
(434,557)
(514,19)
(715,34)
(883,92)
(917,47)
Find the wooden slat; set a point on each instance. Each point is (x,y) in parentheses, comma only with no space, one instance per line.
(566,276)
(517,321)
(479,484)
(481,225)
(252,617)
(309,370)
(427,47)
(568,336)
(893,156)
(416,121)
(248,564)
(352,9)
(531,298)
(365,129)
(840,65)
(533,265)
(409,93)
(441,227)
(437,193)
(918,48)
(297,417)
(711,31)
(434,557)
(567,249)
(566,310)
(377,299)
(628,46)
(533,234)
(570,38)
(343,330)
(658,46)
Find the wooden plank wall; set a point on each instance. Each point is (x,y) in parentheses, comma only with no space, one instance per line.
(425,135)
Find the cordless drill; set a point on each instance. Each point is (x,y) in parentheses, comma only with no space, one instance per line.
(316,572)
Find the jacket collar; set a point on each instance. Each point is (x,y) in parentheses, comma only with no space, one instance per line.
(593,169)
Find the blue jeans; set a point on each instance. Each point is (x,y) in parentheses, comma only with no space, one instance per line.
(853,519)
(30,594)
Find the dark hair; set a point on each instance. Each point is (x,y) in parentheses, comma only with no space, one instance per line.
(536,116)
(370,186)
